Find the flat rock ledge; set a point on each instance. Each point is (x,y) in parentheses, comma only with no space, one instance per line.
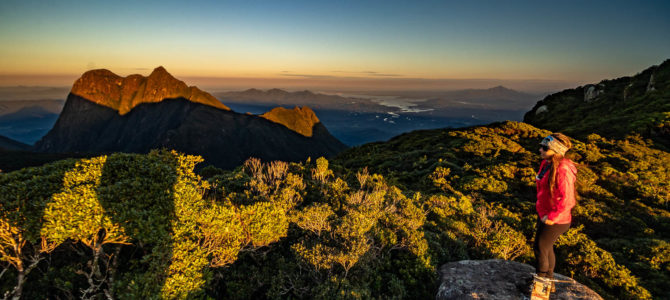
(500,279)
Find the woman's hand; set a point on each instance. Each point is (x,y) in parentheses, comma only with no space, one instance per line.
(547,221)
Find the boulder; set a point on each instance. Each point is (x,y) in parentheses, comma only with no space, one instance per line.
(592,91)
(650,85)
(500,279)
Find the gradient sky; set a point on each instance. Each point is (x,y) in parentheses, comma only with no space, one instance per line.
(541,40)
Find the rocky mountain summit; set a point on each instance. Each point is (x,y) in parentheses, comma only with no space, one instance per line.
(106,113)
(103,87)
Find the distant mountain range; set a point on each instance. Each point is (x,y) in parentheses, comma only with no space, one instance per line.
(108,113)
(352,118)
(498,97)
(318,101)
(362,118)
(30,122)
(53,106)
(10,144)
(27,113)
(32,93)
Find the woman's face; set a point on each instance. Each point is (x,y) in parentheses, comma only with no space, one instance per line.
(546,154)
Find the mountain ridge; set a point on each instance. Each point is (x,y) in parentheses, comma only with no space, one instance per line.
(10,144)
(224,138)
(124,93)
(615,108)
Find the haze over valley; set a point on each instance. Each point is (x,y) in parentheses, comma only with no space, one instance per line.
(27,113)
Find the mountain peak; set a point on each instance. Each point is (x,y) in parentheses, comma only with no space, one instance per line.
(298,119)
(276,91)
(499,88)
(124,93)
(159,70)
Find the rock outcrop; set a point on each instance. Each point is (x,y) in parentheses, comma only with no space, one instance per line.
(592,91)
(650,85)
(125,93)
(298,119)
(541,109)
(499,279)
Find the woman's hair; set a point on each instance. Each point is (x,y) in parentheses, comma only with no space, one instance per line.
(555,161)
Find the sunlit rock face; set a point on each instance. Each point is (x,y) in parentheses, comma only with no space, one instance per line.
(124,93)
(591,92)
(299,119)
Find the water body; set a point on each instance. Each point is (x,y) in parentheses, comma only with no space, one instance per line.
(403,104)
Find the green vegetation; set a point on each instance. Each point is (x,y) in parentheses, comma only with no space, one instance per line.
(621,225)
(636,105)
(376,221)
(145,226)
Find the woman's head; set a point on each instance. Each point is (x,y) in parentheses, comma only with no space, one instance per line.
(555,144)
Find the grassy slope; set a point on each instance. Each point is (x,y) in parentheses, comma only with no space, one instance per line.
(625,107)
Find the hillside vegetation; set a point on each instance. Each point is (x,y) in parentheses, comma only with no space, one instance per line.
(618,243)
(374,222)
(616,108)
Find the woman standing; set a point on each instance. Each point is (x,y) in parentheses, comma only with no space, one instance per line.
(555,200)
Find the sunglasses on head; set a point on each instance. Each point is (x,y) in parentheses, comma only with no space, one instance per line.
(548,139)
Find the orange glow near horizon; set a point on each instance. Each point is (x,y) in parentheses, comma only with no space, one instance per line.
(312,41)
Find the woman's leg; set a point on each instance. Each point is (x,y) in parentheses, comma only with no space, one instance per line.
(552,262)
(539,226)
(546,258)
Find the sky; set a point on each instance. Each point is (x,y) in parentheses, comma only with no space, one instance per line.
(550,42)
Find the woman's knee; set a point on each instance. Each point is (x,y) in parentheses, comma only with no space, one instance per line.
(545,251)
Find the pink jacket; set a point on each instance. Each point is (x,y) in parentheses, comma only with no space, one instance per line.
(564,193)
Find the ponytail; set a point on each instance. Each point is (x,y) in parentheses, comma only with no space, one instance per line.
(555,161)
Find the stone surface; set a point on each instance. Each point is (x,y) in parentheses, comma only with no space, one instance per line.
(541,109)
(298,119)
(125,93)
(591,92)
(650,85)
(499,279)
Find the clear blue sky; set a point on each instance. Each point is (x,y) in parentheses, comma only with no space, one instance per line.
(555,40)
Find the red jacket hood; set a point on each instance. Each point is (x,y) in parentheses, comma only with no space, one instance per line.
(566,163)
